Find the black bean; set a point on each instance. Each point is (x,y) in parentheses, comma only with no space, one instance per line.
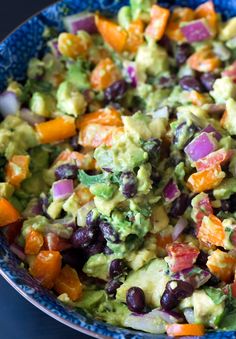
(202,260)
(225,205)
(112,286)
(232,203)
(92,219)
(74,258)
(189,83)
(94,248)
(167,44)
(208,79)
(180,205)
(117,268)
(176,290)
(182,53)
(135,299)
(82,237)
(167,82)
(74,141)
(66,171)
(108,232)
(213,281)
(116,91)
(128,184)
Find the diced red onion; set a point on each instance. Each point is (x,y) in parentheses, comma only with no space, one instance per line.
(179,228)
(53,45)
(201,146)
(171,191)
(80,22)
(162,112)
(211,129)
(189,315)
(9,103)
(195,31)
(31,117)
(196,279)
(18,251)
(132,74)
(82,213)
(62,189)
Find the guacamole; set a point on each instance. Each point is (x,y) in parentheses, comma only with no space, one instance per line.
(118,168)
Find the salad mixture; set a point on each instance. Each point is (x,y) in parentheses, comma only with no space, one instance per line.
(118,167)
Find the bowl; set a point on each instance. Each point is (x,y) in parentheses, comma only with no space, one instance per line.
(15,52)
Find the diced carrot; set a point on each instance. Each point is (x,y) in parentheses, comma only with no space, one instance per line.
(108,116)
(8,213)
(33,242)
(135,36)
(159,18)
(204,60)
(179,330)
(94,135)
(83,194)
(178,16)
(205,180)
(222,265)
(17,169)
(197,98)
(219,157)
(72,45)
(104,74)
(112,33)
(212,231)
(57,129)
(207,11)
(68,282)
(46,267)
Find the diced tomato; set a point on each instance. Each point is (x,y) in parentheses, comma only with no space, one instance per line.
(11,231)
(212,231)
(215,158)
(54,243)
(68,282)
(222,265)
(46,267)
(233,289)
(181,256)
(83,161)
(201,207)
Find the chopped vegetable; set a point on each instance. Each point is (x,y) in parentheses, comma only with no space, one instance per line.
(8,213)
(171,191)
(17,169)
(222,265)
(212,231)
(135,36)
(80,22)
(108,116)
(178,16)
(68,282)
(219,157)
(181,256)
(62,189)
(207,11)
(33,242)
(204,60)
(195,31)
(200,147)
(104,74)
(179,330)
(72,46)
(159,18)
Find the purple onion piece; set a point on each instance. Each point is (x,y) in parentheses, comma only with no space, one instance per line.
(195,276)
(132,74)
(211,129)
(9,103)
(201,146)
(216,109)
(179,228)
(18,251)
(80,22)
(195,31)
(171,191)
(62,189)
(31,117)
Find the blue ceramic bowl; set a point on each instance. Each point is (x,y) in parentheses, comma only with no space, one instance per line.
(15,52)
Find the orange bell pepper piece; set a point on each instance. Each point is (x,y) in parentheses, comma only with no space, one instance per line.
(178,16)
(71,45)
(197,99)
(218,157)
(17,169)
(212,231)
(108,116)
(224,119)
(204,60)
(83,194)
(57,129)
(207,11)
(135,36)
(112,33)
(222,265)
(68,282)
(104,74)
(159,18)
(33,242)
(205,180)
(46,267)
(8,213)
(83,161)
(94,135)
(179,330)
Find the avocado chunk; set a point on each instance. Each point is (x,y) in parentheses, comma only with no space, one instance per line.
(78,75)
(43,104)
(125,17)
(152,279)
(104,191)
(228,30)
(206,311)
(6,190)
(223,89)
(72,204)
(141,9)
(106,206)
(229,122)
(98,266)
(70,100)
(225,189)
(54,209)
